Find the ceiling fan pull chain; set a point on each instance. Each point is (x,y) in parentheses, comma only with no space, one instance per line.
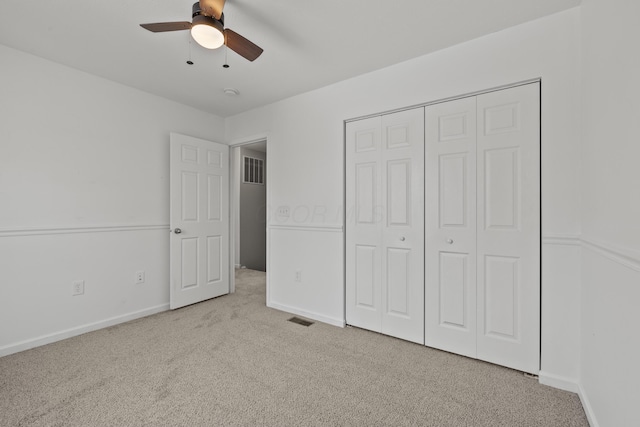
(190,62)
(226,50)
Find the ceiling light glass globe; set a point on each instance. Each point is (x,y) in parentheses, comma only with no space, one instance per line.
(207,32)
(207,36)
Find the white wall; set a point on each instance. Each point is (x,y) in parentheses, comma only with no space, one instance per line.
(310,127)
(610,346)
(84,195)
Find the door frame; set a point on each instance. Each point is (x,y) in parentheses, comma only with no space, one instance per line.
(235,169)
(439,101)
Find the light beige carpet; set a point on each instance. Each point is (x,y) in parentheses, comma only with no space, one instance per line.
(231,361)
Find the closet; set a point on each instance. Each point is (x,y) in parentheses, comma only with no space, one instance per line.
(466,203)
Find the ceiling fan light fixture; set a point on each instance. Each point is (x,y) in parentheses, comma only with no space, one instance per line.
(207,29)
(207,32)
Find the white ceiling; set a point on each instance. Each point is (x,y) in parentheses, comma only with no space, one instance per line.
(307,44)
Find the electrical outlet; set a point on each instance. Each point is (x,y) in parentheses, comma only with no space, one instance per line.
(139,277)
(284,211)
(298,275)
(78,288)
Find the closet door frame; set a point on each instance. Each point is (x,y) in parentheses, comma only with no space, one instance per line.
(541,201)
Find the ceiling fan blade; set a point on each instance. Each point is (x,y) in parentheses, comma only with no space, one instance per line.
(212,8)
(160,27)
(241,46)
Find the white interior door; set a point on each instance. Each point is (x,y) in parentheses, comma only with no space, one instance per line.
(450,259)
(509,227)
(385,224)
(199,218)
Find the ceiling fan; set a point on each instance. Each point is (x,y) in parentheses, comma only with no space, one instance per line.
(207,29)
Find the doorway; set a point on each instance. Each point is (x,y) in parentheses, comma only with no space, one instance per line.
(249,205)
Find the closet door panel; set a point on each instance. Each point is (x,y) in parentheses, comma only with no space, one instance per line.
(399,279)
(509,227)
(365,270)
(450,224)
(453,288)
(363,220)
(403,229)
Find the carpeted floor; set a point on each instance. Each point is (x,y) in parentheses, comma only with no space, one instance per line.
(231,361)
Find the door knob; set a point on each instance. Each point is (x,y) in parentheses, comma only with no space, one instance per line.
(177,231)
(449,241)
(402,239)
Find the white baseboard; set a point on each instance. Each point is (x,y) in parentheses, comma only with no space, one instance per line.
(557,381)
(68,333)
(309,315)
(568,384)
(586,405)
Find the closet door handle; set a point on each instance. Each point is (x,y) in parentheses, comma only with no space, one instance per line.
(402,239)
(177,231)
(450,241)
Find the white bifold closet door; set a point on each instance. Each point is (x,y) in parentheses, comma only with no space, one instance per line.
(482,223)
(385,224)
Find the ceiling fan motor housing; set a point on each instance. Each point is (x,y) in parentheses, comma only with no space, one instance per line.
(196,10)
